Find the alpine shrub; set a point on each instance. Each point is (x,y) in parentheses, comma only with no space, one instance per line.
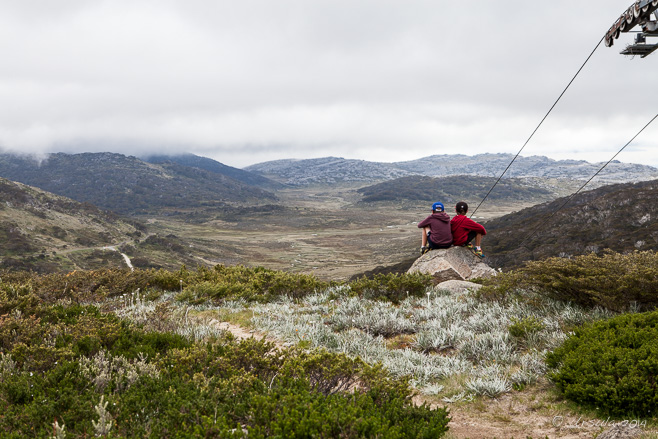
(253,284)
(611,365)
(613,281)
(100,375)
(522,327)
(392,286)
(216,284)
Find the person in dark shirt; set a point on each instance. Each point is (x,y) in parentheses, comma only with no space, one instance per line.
(436,230)
(465,230)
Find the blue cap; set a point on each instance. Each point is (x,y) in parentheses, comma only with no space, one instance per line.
(438,206)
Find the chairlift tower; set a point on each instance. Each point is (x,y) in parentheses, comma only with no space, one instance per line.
(638,14)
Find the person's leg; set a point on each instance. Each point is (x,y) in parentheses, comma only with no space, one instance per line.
(477,249)
(478,240)
(423,240)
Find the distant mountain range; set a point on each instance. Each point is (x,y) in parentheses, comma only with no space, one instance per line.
(330,170)
(165,184)
(621,217)
(492,165)
(46,232)
(129,185)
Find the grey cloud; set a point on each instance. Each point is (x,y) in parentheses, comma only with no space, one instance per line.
(257,80)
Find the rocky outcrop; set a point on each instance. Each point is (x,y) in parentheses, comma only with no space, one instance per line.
(454,263)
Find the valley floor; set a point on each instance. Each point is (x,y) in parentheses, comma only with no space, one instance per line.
(323,234)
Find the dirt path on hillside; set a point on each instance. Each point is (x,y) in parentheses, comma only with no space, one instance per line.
(509,416)
(241,333)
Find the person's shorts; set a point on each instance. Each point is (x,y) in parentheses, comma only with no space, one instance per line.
(471,236)
(435,246)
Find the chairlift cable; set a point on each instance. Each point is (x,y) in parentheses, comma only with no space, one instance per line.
(543,223)
(538,126)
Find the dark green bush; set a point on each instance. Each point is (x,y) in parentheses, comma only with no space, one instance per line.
(614,281)
(392,286)
(253,284)
(218,283)
(611,365)
(219,388)
(90,285)
(215,284)
(523,327)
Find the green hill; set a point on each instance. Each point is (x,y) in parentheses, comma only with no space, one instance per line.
(621,217)
(453,189)
(210,165)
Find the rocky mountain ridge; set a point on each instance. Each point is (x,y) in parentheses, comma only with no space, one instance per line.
(331,170)
(327,170)
(492,165)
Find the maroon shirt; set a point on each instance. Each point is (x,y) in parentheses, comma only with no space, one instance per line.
(439,224)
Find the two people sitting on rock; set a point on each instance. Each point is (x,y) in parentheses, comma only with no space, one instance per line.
(439,231)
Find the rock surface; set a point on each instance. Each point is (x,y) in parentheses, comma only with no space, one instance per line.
(621,431)
(458,286)
(454,263)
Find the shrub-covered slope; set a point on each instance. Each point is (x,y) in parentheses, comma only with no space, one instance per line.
(449,345)
(613,281)
(453,189)
(170,362)
(36,225)
(618,217)
(129,185)
(68,370)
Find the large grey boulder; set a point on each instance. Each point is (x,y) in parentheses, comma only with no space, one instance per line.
(454,263)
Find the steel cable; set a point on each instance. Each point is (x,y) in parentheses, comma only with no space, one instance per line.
(540,124)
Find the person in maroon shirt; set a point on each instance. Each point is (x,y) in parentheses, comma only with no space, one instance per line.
(436,230)
(465,230)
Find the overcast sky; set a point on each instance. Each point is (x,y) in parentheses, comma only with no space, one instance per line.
(245,81)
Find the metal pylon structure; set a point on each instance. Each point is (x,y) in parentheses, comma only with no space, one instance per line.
(638,14)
